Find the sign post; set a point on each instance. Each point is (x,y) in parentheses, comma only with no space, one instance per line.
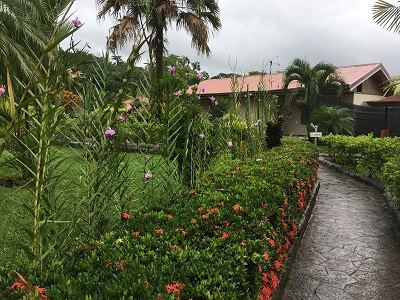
(315,134)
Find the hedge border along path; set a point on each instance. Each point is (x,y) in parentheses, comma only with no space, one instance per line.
(381,187)
(279,292)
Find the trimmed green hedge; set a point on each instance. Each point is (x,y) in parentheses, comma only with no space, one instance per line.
(228,239)
(365,154)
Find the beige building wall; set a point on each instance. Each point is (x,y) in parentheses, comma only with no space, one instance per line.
(371,87)
(360,98)
(293,125)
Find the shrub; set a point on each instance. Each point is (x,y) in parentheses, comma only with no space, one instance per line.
(227,239)
(366,154)
(274,133)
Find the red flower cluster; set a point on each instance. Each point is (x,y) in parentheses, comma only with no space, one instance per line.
(237,207)
(118,264)
(175,287)
(181,230)
(124,216)
(270,282)
(20,286)
(160,231)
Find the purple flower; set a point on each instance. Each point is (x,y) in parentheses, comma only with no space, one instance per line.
(171,69)
(148,176)
(203,90)
(202,135)
(121,118)
(216,102)
(200,76)
(2,91)
(229,123)
(212,98)
(246,127)
(256,124)
(250,94)
(230,144)
(198,97)
(109,132)
(258,121)
(76,23)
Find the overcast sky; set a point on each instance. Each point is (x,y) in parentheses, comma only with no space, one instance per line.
(341,32)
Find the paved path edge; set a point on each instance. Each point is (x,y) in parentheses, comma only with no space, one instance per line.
(284,278)
(381,187)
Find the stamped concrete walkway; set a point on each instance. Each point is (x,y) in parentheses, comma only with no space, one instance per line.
(351,249)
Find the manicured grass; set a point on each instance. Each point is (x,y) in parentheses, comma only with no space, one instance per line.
(14,216)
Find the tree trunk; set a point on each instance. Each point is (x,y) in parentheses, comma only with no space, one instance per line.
(155,105)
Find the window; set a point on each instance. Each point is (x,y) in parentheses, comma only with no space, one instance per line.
(359,88)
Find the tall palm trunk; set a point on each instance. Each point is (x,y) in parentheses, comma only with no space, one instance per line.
(156,108)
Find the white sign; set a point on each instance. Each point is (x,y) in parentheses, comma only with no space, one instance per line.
(315,134)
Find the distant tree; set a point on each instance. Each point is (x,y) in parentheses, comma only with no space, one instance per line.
(85,64)
(252,73)
(333,120)
(224,75)
(186,70)
(314,81)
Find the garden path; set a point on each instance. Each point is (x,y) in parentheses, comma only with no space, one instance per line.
(351,248)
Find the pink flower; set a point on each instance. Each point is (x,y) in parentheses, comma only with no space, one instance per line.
(212,98)
(2,91)
(76,23)
(199,97)
(230,144)
(200,76)
(148,176)
(216,103)
(250,94)
(109,132)
(202,135)
(202,90)
(171,69)
(121,118)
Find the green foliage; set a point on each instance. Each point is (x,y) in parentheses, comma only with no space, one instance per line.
(391,172)
(366,154)
(315,81)
(333,120)
(210,245)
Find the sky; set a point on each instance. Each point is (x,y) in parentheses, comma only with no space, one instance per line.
(341,32)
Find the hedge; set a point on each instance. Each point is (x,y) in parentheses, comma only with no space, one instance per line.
(365,154)
(227,239)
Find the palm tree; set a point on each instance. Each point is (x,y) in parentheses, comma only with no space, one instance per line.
(315,81)
(151,19)
(387,15)
(334,120)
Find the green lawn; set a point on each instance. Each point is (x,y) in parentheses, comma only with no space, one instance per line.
(13,214)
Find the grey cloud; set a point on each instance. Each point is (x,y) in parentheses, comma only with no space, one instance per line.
(341,32)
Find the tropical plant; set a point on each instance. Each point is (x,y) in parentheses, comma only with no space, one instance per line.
(335,120)
(387,15)
(314,81)
(152,18)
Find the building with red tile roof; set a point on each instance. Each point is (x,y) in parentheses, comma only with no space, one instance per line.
(363,83)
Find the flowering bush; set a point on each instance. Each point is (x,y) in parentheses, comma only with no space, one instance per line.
(227,239)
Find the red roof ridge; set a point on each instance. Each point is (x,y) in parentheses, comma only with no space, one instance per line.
(359,65)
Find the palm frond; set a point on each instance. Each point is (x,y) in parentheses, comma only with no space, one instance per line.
(387,15)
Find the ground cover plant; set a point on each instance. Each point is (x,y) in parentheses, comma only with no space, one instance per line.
(374,157)
(226,239)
